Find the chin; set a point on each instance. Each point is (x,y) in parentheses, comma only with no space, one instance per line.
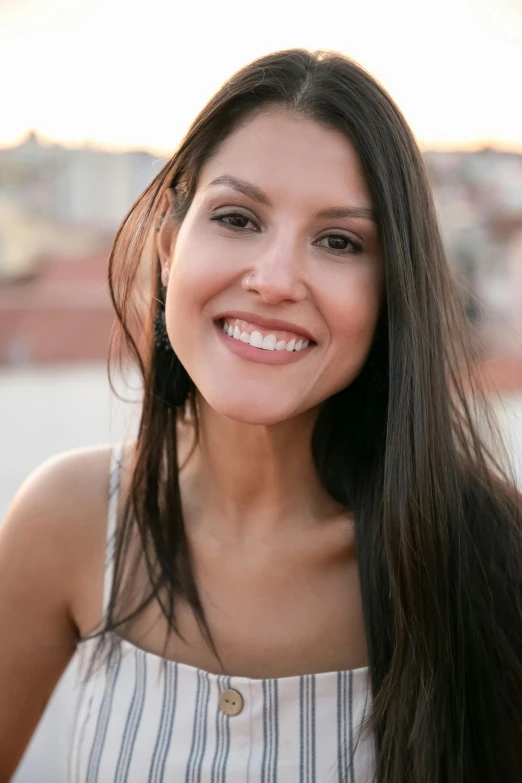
(258,411)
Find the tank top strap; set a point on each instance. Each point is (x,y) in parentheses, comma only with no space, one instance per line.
(112,516)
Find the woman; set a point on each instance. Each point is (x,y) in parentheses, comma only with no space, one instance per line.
(313,562)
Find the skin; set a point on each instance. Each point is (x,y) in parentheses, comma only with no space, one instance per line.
(255,466)
(274,556)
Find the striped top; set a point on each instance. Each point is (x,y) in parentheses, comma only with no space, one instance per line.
(143,719)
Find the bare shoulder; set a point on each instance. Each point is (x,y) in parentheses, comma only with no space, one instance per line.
(59,517)
(65,493)
(52,545)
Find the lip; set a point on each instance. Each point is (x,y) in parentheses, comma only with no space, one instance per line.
(251,354)
(266,323)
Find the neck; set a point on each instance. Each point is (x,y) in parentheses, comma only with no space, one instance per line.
(250,481)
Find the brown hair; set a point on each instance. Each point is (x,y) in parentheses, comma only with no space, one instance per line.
(438,521)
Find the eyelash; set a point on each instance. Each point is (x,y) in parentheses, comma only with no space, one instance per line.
(356,248)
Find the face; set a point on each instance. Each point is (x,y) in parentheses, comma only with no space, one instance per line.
(278,248)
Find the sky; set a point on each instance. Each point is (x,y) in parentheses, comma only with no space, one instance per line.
(122,75)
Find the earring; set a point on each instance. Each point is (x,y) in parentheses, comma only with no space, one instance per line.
(172,383)
(161,337)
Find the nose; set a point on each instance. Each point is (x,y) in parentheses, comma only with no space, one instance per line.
(278,273)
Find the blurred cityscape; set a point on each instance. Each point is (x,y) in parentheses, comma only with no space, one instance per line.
(59,211)
(60,208)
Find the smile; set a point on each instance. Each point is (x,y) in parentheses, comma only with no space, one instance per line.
(267,340)
(251,342)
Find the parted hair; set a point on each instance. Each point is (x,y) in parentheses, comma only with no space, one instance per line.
(437,512)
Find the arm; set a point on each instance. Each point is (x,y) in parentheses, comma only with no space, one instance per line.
(44,545)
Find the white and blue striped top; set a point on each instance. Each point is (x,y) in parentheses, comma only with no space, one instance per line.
(142,719)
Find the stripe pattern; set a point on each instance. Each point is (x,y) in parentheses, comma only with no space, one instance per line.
(104,714)
(199,728)
(82,718)
(110,550)
(142,719)
(345,738)
(218,769)
(270,731)
(164,735)
(133,718)
(307,733)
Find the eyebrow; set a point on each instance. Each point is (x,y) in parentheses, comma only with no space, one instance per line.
(256,194)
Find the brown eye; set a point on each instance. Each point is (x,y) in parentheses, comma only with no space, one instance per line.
(337,242)
(340,244)
(233,220)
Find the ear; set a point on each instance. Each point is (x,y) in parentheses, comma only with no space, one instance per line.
(165,233)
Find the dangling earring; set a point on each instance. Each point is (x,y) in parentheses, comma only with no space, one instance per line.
(161,337)
(172,383)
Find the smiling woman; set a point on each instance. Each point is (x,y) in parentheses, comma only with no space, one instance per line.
(307,566)
(282,204)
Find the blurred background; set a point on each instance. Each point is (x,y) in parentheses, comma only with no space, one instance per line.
(95,96)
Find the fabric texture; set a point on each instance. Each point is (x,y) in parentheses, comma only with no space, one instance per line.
(143,719)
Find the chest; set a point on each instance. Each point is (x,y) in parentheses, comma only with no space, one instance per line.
(272,612)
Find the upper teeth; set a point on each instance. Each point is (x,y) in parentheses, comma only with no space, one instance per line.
(268,342)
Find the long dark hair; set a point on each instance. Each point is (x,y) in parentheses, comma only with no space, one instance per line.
(438,516)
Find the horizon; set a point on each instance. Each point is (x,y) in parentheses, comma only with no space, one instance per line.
(78,77)
(97,146)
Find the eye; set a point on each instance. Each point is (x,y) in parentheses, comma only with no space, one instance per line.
(235,221)
(340,244)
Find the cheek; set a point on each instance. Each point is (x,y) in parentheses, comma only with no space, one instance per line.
(196,271)
(354,321)
(353,313)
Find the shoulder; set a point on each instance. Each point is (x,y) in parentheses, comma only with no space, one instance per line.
(57,522)
(52,545)
(64,489)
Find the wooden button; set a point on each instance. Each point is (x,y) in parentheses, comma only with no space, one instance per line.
(230,702)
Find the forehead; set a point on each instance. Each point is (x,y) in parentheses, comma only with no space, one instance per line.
(287,154)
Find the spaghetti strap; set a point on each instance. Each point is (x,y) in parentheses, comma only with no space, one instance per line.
(112,514)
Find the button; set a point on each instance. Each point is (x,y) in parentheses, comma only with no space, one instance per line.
(230,702)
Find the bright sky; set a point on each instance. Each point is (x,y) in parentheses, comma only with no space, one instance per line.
(121,74)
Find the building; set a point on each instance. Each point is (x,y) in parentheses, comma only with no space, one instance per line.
(86,187)
(62,314)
